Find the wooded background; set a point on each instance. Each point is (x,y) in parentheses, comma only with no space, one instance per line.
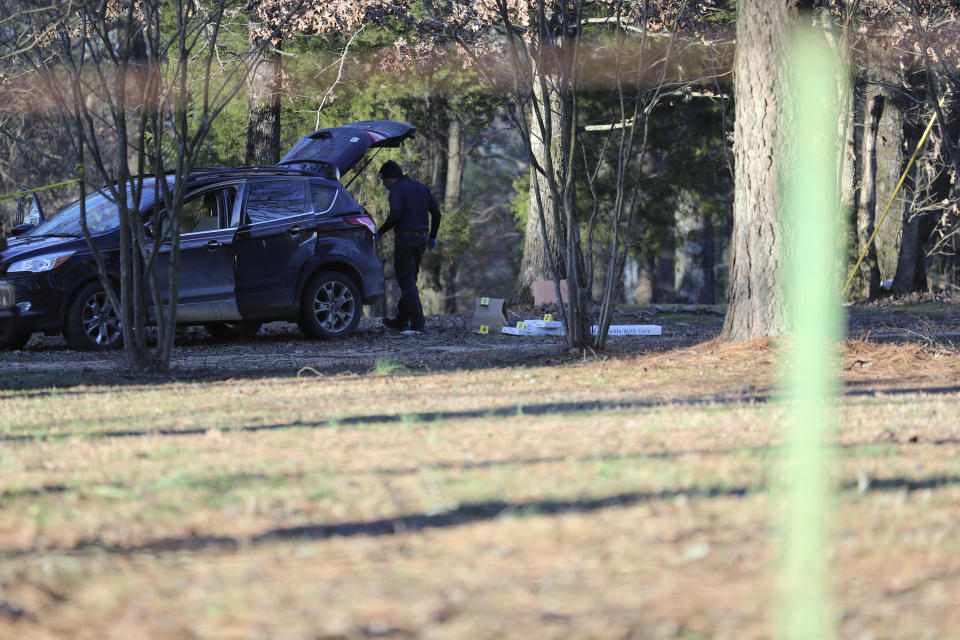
(444,68)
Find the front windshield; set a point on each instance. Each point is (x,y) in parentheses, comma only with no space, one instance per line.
(101,215)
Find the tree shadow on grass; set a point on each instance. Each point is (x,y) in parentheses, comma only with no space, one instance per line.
(550,408)
(232,481)
(463,515)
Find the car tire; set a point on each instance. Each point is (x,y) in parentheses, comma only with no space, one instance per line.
(330,306)
(232,331)
(11,336)
(92,324)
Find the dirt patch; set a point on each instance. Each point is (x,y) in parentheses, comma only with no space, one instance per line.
(280,349)
(891,343)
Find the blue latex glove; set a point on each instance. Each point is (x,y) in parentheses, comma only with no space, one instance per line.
(431,244)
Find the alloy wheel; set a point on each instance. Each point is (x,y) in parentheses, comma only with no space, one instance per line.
(99,319)
(334,306)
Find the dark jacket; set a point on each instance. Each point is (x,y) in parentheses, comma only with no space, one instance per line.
(410,202)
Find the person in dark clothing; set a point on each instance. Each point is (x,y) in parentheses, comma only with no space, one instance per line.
(413,233)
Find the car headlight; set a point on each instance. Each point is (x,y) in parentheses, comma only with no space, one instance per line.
(40,263)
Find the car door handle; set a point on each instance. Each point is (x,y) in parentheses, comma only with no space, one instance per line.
(212,245)
(294,230)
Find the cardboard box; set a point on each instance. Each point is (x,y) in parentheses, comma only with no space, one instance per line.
(544,292)
(542,327)
(489,315)
(535,328)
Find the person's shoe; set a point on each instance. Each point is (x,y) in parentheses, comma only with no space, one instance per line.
(393,323)
(412,332)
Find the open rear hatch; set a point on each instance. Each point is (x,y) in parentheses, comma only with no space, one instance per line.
(334,151)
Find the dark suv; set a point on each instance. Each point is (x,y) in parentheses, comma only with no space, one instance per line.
(257,243)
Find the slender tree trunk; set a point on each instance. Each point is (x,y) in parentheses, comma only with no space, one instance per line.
(432,171)
(915,230)
(693,256)
(663,273)
(912,260)
(846,183)
(451,202)
(755,296)
(645,291)
(455,162)
(263,108)
(601,266)
(438,160)
(869,275)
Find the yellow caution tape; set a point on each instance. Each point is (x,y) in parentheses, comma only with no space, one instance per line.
(20,194)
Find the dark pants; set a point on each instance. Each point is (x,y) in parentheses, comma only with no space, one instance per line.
(407,254)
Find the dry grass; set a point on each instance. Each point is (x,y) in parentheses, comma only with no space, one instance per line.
(604,499)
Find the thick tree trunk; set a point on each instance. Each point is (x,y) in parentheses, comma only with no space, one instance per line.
(891,159)
(263,108)
(755,295)
(535,264)
(693,258)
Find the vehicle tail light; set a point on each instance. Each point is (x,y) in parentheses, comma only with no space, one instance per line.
(363,221)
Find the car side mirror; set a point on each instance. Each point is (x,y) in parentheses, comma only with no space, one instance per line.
(29,210)
(20,229)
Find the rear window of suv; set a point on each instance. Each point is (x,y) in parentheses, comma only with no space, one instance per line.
(323,197)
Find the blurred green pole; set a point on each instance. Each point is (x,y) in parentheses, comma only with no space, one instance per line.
(811,209)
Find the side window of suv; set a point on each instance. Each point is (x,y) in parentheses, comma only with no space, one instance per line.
(270,200)
(205,211)
(200,214)
(323,197)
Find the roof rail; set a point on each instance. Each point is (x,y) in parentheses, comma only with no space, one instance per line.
(261,169)
(267,169)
